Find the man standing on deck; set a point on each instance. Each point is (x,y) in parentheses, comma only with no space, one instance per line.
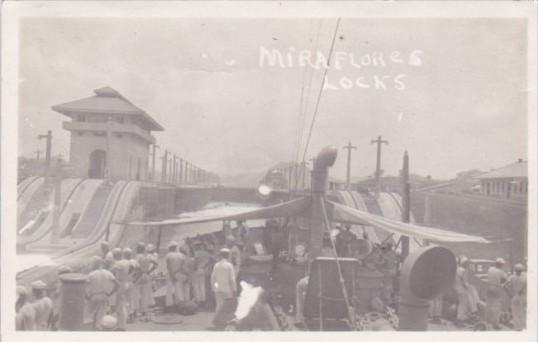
(143,283)
(25,312)
(224,286)
(42,305)
(343,240)
(241,232)
(121,269)
(461,288)
(106,254)
(101,285)
(391,260)
(235,254)
(496,279)
(517,287)
(174,288)
(300,296)
(187,271)
(133,297)
(201,262)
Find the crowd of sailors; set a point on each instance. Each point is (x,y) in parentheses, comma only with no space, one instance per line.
(499,285)
(203,273)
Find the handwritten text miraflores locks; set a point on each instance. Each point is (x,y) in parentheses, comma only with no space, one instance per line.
(372,67)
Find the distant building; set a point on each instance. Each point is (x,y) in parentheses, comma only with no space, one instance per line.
(108,135)
(510,181)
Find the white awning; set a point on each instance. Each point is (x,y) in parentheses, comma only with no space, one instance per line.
(347,214)
(290,208)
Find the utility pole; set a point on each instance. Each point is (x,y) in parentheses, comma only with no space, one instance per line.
(406,203)
(48,149)
(349,147)
(164,166)
(379,142)
(38,153)
(153,156)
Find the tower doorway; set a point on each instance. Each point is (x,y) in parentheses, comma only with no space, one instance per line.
(97,164)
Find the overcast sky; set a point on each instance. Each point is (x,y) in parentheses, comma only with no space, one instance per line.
(461,103)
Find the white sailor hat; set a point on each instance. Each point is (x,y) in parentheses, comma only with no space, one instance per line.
(224,250)
(127,251)
(463,259)
(109,322)
(97,260)
(21,291)
(64,269)
(172,244)
(519,267)
(39,285)
(500,261)
(149,247)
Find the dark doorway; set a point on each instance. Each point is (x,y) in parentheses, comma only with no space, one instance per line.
(97,164)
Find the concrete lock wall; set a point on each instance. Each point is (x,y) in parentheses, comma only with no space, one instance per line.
(245,195)
(188,199)
(497,220)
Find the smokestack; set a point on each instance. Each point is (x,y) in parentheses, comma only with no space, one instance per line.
(320,178)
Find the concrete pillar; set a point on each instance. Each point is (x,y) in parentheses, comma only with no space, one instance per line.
(72,301)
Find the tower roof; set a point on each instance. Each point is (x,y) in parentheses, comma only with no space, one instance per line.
(107,101)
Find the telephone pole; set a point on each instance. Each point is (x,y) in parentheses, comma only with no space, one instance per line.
(48,149)
(38,154)
(379,142)
(349,147)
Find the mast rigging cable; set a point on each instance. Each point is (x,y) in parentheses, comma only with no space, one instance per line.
(321,89)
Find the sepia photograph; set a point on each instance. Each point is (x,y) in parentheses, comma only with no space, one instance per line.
(311,168)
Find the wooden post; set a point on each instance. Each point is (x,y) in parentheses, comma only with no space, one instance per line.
(48,151)
(378,171)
